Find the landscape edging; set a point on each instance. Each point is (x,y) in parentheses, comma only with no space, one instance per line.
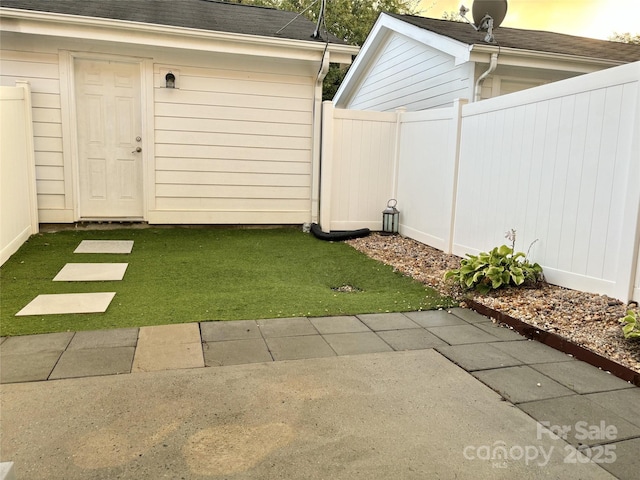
(558,342)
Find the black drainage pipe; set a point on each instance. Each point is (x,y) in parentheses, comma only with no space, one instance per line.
(338,236)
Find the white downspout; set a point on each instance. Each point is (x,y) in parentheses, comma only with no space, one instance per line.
(317,131)
(492,66)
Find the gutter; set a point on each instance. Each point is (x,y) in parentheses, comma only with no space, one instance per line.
(492,66)
(521,57)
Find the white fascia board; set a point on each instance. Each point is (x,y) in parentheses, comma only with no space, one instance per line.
(459,50)
(542,60)
(384,26)
(137,33)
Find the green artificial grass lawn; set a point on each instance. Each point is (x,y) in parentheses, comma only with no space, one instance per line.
(178,275)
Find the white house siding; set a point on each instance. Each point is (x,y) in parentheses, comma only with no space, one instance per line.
(233,144)
(39,66)
(508,79)
(409,74)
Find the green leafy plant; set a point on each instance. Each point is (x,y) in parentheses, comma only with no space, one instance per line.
(498,268)
(631,327)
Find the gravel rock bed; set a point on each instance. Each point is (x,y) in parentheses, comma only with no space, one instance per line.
(589,320)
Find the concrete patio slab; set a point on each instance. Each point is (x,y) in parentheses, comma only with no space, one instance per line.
(93,361)
(435,318)
(378,416)
(236,330)
(387,321)
(618,402)
(54,304)
(579,415)
(32,367)
(581,377)
(410,339)
(104,246)
(296,348)
(236,352)
(627,460)
(167,347)
(461,334)
(356,343)
(521,384)
(339,324)
(478,356)
(286,327)
(118,337)
(43,342)
(533,352)
(499,331)
(470,316)
(91,272)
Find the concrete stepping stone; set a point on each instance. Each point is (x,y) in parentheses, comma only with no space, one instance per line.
(104,246)
(53,304)
(91,272)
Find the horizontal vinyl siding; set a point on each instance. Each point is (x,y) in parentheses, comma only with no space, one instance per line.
(411,75)
(41,70)
(233,140)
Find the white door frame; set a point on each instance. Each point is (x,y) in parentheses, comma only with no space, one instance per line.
(72,158)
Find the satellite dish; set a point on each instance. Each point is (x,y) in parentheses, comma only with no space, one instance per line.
(496,9)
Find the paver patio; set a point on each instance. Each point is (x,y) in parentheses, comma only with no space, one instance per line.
(546,384)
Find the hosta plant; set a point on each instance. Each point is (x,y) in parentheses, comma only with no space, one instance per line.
(631,326)
(498,268)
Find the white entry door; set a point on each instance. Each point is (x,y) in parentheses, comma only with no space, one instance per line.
(109,139)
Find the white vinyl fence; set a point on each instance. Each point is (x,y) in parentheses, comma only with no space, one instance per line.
(18,203)
(559,163)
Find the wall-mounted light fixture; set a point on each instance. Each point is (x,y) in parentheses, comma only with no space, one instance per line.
(170,80)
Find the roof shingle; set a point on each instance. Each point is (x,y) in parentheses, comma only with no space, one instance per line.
(200,14)
(534,40)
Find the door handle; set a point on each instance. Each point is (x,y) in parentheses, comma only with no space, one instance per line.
(137,150)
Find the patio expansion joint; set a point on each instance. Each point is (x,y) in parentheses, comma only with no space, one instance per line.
(60,356)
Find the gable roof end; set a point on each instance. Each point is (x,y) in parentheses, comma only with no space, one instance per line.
(384,26)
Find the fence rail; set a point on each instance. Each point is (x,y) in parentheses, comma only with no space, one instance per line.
(559,163)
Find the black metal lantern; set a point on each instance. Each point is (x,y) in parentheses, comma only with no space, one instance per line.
(390,218)
(170,79)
